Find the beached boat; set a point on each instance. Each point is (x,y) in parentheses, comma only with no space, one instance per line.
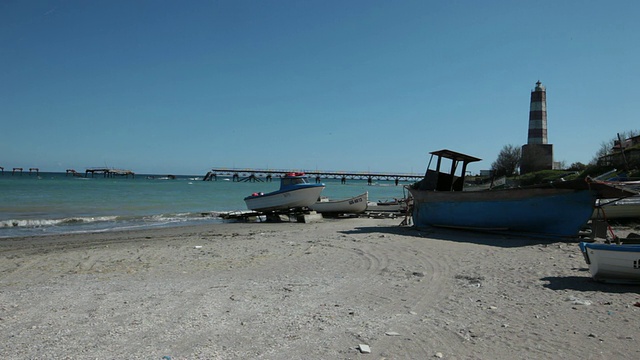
(354,205)
(555,209)
(395,205)
(612,262)
(609,209)
(295,192)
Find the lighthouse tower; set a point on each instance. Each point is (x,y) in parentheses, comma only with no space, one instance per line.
(538,115)
(537,154)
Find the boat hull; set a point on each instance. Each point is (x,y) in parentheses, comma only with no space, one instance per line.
(354,205)
(301,196)
(612,263)
(628,208)
(544,211)
(395,206)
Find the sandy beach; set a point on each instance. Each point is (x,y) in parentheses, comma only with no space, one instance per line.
(308,291)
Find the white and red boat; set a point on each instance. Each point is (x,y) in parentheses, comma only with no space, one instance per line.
(295,192)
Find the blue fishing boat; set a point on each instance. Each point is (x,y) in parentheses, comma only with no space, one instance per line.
(556,209)
(295,192)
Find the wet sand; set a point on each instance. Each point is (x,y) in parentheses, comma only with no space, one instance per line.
(308,291)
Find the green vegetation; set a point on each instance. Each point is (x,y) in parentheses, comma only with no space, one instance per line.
(545,176)
(507,162)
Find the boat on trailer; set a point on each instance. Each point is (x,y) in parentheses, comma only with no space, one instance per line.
(558,209)
(295,192)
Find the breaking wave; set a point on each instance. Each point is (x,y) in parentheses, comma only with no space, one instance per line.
(32,223)
(31,227)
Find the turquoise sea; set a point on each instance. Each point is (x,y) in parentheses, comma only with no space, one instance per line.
(55,203)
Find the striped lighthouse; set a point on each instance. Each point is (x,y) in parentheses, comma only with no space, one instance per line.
(537,154)
(538,115)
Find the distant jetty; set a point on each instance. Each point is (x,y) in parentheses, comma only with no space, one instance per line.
(106,172)
(19,170)
(250,175)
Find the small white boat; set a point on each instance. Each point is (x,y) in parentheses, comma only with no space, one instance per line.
(396,205)
(612,263)
(627,208)
(354,205)
(295,192)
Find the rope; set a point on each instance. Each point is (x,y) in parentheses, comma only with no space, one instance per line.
(604,217)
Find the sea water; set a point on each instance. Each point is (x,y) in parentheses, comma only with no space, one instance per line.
(56,203)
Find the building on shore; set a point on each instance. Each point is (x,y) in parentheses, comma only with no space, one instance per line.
(537,154)
(623,153)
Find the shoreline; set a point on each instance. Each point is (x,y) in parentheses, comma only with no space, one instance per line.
(80,226)
(317,290)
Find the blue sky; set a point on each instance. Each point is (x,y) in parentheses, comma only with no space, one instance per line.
(183,86)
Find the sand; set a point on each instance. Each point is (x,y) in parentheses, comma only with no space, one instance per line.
(308,291)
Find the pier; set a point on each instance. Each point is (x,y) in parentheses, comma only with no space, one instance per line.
(19,170)
(255,175)
(73,173)
(106,172)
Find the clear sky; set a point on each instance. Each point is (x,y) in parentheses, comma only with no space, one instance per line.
(180,87)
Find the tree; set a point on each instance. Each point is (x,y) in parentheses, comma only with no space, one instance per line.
(560,164)
(605,148)
(507,161)
(577,166)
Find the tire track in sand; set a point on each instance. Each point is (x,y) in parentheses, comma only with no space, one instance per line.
(401,281)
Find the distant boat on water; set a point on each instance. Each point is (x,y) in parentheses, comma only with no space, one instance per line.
(558,209)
